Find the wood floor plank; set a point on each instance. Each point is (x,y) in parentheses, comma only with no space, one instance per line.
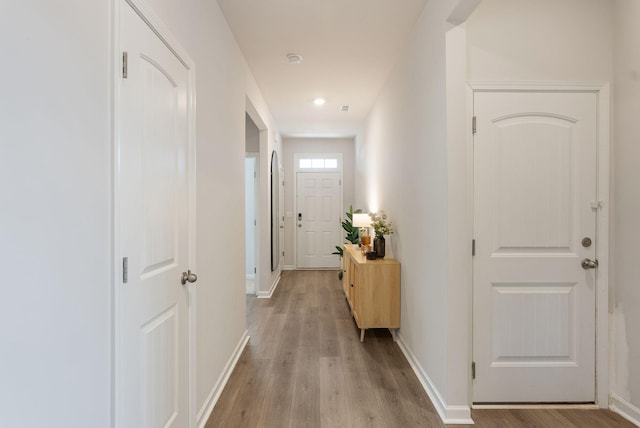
(305,367)
(305,406)
(248,389)
(333,400)
(359,388)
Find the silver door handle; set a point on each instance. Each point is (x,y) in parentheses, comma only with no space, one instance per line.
(188,276)
(589,264)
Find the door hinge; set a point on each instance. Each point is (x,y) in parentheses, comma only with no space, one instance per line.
(283,254)
(473,247)
(339,182)
(125,65)
(473,370)
(473,125)
(255,270)
(125,270)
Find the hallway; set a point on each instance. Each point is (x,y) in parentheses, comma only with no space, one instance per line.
(305,367)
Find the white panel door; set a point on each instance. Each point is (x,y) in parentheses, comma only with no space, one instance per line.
(153,177)
(534,196)
(318,219)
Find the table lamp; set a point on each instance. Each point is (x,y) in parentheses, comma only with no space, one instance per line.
(363,222)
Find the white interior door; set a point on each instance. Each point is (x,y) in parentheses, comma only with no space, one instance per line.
(534,203)
(318,203)
(153,177)
(250,192)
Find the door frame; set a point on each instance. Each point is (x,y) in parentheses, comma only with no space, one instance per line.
(161,30)
(256,201)
(296,170)
(602,91)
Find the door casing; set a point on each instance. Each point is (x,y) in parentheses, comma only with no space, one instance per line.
(256,201)
(149,17)
(601,89)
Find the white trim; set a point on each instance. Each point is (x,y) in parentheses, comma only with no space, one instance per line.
(161,30)
(624,409)
(455,415)
(212,398)
(263,213)
(268,294)
(603,147)
(602,247)
(250,277)
(543,86)
(534,406)
(256,212)
(288,267)
(116,296)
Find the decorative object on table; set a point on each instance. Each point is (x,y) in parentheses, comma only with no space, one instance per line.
(352,235)
(381,226)
(363,222)
(371,255)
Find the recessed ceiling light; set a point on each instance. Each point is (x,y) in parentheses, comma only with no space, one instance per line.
(294,58)
(319,101)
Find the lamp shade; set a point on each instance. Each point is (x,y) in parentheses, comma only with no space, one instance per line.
(361,220)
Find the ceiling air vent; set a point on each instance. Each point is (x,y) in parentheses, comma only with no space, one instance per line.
(345,107)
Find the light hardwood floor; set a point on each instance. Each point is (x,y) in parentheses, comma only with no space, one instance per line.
(304,367)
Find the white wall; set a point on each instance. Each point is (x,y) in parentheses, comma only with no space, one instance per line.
(268,279)
(540,40)
(55,181)
(291,146)
(626,282)
(55,233)
(402,168)
(252,136)
(414,139)
(224,84)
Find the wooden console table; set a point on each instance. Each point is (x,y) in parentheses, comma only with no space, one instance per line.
(372,288)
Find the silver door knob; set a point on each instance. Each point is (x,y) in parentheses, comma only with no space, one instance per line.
(188,276)
(589,264)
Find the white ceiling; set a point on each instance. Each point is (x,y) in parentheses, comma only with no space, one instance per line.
(348,48)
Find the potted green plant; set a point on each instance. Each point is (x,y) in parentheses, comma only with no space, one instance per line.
(352,233)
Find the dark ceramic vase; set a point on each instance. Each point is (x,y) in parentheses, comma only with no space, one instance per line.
(378,245)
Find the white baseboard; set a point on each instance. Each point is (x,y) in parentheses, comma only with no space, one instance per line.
(205,411)
(456,415)
(268,294)
(288,267)
(624,409)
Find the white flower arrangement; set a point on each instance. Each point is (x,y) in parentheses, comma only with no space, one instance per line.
(380,224)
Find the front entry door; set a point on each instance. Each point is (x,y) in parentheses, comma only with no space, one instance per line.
(153,176)
(318,219)
(534,223)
